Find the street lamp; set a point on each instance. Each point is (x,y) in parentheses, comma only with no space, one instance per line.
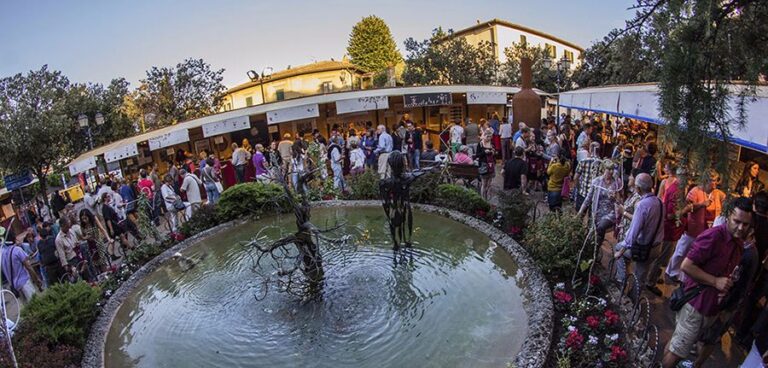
(562,66)
(265,74)
(83,121)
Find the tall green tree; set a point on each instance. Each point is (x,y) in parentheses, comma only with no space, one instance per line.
(187,91)
(371,45)
(33,121)
(445,59)
(544,78)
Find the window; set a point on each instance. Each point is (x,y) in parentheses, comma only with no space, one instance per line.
(568,55)
(327,87)
(249,101)
(551,50)
(523,40)
(280,94)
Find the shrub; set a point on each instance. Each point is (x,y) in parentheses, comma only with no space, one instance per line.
(364,186)
(62,314)
(554,242)
(251,199)
(204,218)
(514,207)
(424,189)
(32,352)
(461,199)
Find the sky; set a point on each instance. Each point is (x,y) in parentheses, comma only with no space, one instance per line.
(95,41)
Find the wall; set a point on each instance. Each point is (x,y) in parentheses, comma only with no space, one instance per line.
(507,36)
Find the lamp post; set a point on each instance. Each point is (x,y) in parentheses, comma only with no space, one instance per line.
(83,121)
(261,78)
(562,66)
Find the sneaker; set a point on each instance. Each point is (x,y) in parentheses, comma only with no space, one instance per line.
(685,364)
(655,290)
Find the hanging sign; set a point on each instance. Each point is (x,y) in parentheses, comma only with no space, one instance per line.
(82,165)
(169,139)
(362,104)
(427,99)
(17,180)
(120,153)
(490,98)
(293,113)
(226,126)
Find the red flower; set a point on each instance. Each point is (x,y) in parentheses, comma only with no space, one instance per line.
(574,340)
(327,197)
(593,322)
(611,317)
(563,297)
(594,280)
(618,354)
(514,229)
(480,213)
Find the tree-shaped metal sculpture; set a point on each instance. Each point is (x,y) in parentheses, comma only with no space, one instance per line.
(395,196)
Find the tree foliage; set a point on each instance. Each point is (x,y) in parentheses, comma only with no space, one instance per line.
(33,120)
(444,59)
(187,91)
(371,45)
(543,78)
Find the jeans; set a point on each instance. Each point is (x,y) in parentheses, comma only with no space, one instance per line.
(681,250)
(601,228)
(212,192)
(506,148)
(415,158)
(555,200)
(240,173)
(338,177)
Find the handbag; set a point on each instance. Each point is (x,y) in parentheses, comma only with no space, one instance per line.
(641,252)
(483,169)
(680,297)
(566,192)
(178,204)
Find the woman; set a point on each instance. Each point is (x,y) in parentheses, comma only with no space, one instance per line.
(602,197)
(357,159)
(298,163)
(114,229)
(273,160)
(173,203)
(209,178)
(749,183)
(368,145)
(559,168)
(485,157)
(337,160)
(100,244)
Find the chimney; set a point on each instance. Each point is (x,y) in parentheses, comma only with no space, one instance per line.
(525,73)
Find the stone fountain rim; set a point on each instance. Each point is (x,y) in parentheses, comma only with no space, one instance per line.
(538,300)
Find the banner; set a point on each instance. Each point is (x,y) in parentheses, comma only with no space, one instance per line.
(490,98)
(17,180)
(120,153)
(82,165)
(427,99)
(293,113)
(169,139)
(226,126)
(362,104)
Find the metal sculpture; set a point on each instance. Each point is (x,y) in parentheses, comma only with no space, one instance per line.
(395,196)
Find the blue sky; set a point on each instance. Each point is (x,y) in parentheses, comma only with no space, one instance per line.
(94,41)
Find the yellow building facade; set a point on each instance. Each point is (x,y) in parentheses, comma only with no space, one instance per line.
(305,80)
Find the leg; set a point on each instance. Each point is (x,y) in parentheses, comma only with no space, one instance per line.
(416,159)
(658,262)
(688,326)
(621,265)
(681,249)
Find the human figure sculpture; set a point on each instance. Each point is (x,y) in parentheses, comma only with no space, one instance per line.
(395,197)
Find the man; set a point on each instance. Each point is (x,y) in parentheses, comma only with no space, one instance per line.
(505,131)
(457,135)
(472,132)
(645,228)
(710,266)
(240,158)
(586,171)
(416,145)
(383,149)
(519,131)
(522,140)
(752,308)
(66,242)
(48,259)
(696,208)
(284,148)
(430,153)
(191,186)
(17,270)
(516,172)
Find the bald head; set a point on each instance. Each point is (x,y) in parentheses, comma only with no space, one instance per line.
(644,183)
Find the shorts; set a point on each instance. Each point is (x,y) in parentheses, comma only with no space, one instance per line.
(689,326)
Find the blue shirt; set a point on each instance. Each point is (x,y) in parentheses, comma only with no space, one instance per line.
(495,126)
(14,255)
(126,193)
(385,143)
(517,135)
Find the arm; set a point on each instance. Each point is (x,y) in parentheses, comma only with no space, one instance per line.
(722,284)
(60,253)
(587,200)
(32,273)
(102,229)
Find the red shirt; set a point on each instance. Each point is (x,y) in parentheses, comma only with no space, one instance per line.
(145,186)
(672,231)
(717,253)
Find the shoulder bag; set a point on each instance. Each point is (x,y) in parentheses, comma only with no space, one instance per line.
(680,296)
(641,252)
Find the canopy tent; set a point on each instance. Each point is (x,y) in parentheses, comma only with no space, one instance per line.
(641,101)
(281,111)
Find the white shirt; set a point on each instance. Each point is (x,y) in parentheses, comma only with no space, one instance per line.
(457,132)
(169,196)
(357,157)
(505,131)
(240,157)
(520,142)
(191,186)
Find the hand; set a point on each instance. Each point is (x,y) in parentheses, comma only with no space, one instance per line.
(620,208)
(618,254)
(707,203)
(723,284)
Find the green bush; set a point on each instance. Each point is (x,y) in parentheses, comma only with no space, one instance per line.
(203,219)
(554,242)
(424,189)
(514,207)
(364,186)
(251,199)
(461,199)
(62,314)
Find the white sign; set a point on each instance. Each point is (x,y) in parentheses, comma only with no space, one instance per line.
(226,126)
(169,139)
(82,166)
(491,98)
(121,153)
(362,104)
(293,113)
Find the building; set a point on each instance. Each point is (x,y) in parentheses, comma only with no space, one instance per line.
(305,80)
(503,34)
